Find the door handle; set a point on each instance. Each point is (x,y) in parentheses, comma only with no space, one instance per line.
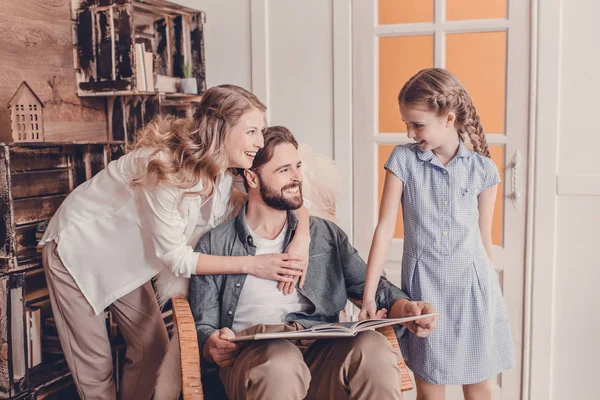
(516,195)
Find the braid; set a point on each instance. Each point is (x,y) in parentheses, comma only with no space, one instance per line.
(449,99)
(442,92)
(472,127)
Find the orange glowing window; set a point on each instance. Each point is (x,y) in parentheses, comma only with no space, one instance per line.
(405,11)
(479,61)
(399,59)
(497,153)
(475,9)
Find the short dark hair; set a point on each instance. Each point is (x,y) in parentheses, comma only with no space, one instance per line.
(273,137)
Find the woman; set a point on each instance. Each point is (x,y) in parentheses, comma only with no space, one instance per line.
(143,214)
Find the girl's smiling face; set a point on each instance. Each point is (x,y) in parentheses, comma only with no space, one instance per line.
(429,130)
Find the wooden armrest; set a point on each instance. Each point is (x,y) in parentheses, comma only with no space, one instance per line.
(190,353)
(390,335)
(188,346)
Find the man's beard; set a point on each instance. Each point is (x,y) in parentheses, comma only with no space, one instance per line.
(276,199)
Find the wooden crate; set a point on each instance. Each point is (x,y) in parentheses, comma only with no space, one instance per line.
(34,181)
(105,55)
(13,370)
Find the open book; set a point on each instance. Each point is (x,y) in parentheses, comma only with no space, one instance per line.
(335,330)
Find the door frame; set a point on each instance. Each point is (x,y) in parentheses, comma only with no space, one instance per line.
(542,198)
(365,147)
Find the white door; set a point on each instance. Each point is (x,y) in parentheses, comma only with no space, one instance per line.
(484,43)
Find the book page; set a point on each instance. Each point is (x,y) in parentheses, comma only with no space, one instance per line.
(379,323)
(322,331)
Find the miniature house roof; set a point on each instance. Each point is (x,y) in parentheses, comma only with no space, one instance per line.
(24,86)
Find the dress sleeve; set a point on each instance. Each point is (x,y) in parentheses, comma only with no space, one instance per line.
(491,174)
(160,218)
(397,161)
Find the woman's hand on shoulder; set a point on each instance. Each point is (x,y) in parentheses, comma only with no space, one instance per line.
(282,267)
(300,246)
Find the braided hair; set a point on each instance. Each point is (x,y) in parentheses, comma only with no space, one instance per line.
(442,92)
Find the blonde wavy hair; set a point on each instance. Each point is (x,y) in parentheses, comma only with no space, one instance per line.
(193,151)
(442,92)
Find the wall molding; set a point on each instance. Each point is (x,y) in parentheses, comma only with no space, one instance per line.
(259,49)
(578,185)
(342,111)
(541,249)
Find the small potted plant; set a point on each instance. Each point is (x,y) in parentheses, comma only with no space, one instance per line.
(189,84)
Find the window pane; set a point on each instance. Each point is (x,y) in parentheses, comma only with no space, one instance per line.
(405,11)
(479,61)
(497,153)
(384,153)
(399,59)
(475,9)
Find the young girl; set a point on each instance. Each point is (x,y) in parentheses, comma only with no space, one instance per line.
(139,216)
(447,194)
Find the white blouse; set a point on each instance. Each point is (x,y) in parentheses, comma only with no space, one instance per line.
(112,238)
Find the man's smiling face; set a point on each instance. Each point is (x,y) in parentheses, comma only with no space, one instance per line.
(280,179)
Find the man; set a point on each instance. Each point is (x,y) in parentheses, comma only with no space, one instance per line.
(363,367)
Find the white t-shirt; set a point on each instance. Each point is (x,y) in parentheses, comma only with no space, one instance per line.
(260,301)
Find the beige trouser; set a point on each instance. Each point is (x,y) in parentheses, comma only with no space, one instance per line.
(362,367)
(84,339)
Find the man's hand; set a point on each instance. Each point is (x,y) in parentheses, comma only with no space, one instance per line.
(219,349)
(421,327)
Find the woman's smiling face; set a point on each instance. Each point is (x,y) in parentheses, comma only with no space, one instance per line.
(245,138)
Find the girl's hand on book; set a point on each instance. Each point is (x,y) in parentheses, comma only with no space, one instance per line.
(369,311)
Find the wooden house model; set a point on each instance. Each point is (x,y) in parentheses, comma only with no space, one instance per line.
(26,114)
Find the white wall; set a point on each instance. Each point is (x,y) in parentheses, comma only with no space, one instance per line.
(226,40)
(566,328)
(286,52)
(576,343)
(297,59)
(300,69)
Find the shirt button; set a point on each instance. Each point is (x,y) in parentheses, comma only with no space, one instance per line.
(237,285)
(445,233)
(445,203)
(229,312)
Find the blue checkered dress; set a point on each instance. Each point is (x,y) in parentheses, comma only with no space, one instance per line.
(445,264)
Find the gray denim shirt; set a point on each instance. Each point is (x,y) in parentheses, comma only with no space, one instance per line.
(335,272)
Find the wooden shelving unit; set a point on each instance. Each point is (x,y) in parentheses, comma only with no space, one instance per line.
(35,178)
(106,32)
(108,65)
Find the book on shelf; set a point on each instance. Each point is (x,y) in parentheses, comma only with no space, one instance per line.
(149,70)
(334,330)
(34,336)
(140,69)
(167,84)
